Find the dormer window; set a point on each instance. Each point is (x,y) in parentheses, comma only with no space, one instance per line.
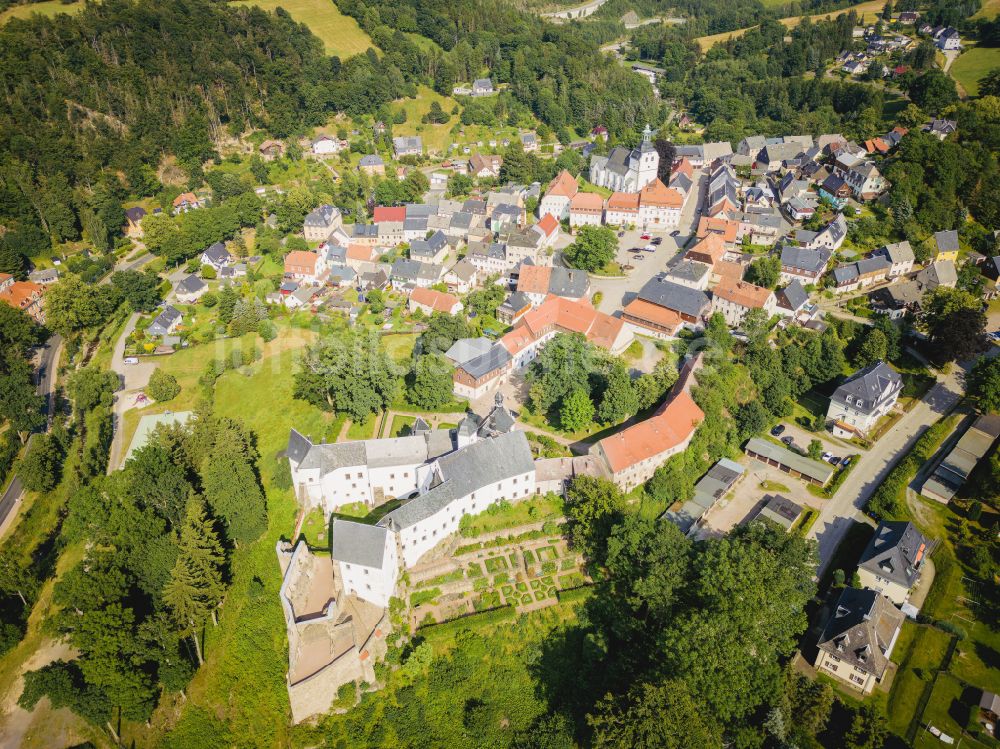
(850,399)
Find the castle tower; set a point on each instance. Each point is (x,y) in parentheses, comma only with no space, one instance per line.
(649,159)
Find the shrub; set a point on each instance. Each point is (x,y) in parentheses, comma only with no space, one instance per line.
(975,510)
(208,272)
(267,330)
(548,568)
(209,299)
(162,386)
(952,629)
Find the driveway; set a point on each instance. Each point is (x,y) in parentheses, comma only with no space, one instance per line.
(133,377)
(836,515)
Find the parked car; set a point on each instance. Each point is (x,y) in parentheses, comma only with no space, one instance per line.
(834,460)
(131,359)
(827,456)
(845,462)
(649,248)
(995,335)
(675,233)
(788,440)
(646,237)
(778,430)
(657,241)
(621,234)
(639,257)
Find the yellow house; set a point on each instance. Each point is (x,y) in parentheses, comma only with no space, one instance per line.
(858,638)
(946,245)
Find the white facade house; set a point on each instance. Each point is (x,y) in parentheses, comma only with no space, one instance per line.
(325,145)
(900,255)
(367,560)
(864,398)
(321,222)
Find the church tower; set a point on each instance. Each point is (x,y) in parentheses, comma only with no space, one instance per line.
(649,159)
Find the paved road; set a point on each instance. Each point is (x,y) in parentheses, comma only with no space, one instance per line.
(618,292)
(835,517)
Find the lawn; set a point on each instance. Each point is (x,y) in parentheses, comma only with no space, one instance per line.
(48,8)
(340,34)
(973,65)
(990,10)
(948,710)
(400,426)
(510,515)
(400,346)
(919,652)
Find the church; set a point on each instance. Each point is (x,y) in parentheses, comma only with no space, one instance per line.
(625,170)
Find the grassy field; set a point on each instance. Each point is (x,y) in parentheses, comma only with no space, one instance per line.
(340,34)
(973,65)
(869,9)
(990,10)
(48,8)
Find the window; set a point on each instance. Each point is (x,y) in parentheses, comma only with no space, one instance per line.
(366,570)
(369,587)
(857,679)
(392,475)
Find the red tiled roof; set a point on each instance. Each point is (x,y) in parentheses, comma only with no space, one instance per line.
(672,425)
(185,197)
(623,201)
(569,316)
(563,184)
(436,300)
(534,279)
(659,317)
(548,225)
(714,225)
(300,261)
(20,294)
(684,167)
(587,201)
(658,194)
(389,213)
(742,292)
(711,246)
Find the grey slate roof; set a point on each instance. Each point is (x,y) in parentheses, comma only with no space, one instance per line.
(428,248)
(809,261)
(897,252)
(896,552)
(481,464)
(407,143)
(165,319)
(673,296)
(322,216)
(793,296)
(688,270)
(357,543)
(946,241)
(217,253)
(465,349)
(371,160)
(938,273)
(867,387)
(483,364)
(298,446)
(568,282)
(862,629)
(190,285)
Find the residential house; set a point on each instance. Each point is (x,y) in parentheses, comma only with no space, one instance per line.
(728,230)
(430,301)
(862,399)
(407,145)
(341,276)
(306,267)
(190,289)
(320,222)
(858,638)
(133,221)
(659,206)
(941,129)
(900,257)
(946,245)
(483,87)
(938,273)
(836,190)
(689,273)
(372,164)
(485,166)
(860,274)
(45,277)
(586,209)
(831,236)
(892,562)
(216,256)
(558,196)
(186,201)
(434,249)
(529,142)
(734,299)
(791,300)
(866,181)
(23,295)
(165,323)
(514,308)
(802,264)
(325,145)
(947,39)
(271,150)
(488,258)
(622,209)
(538,282)
(708,250)
(412,273)
(663,307)
(547,229)
(462,277)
